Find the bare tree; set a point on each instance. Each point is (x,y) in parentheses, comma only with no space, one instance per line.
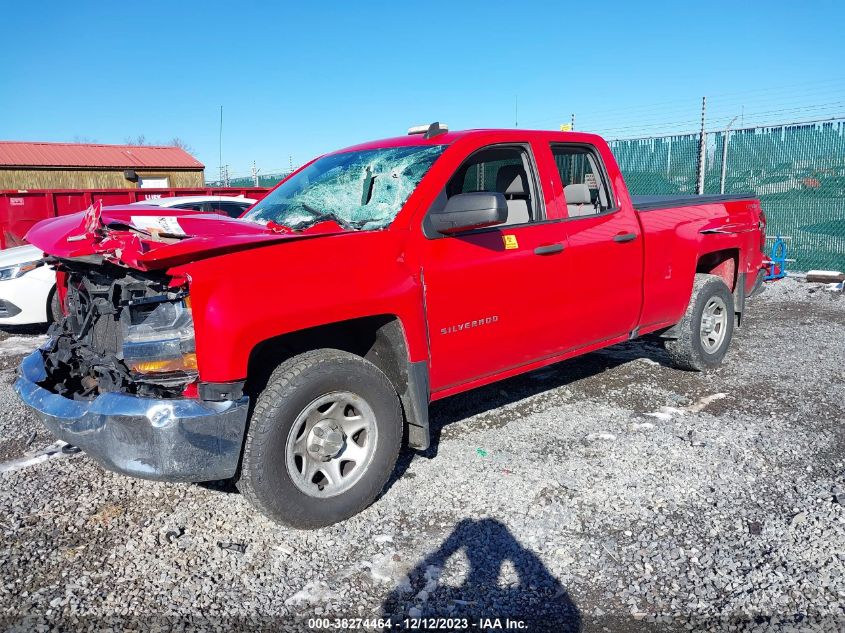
(83,139)
(174,142)
(138,140)
(178,142)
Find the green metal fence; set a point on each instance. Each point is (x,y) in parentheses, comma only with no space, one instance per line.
(264,180)
(797,171)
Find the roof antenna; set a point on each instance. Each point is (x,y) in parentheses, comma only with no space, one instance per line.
(516,111)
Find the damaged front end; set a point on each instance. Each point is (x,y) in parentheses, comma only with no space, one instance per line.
(118,378)
(124,331)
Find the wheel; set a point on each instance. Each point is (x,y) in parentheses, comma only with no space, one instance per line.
(704,334)
(54,308)
(323,439)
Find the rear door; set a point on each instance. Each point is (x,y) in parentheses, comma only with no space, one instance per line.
(604,254)
(489,293)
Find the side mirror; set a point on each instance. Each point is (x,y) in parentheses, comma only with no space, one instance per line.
(470,211)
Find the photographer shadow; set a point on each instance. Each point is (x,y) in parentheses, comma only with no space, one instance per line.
(536,598)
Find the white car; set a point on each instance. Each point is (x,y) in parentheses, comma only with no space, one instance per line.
(226,205)
(28,287)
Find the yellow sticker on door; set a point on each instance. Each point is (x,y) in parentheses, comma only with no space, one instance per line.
(510,242)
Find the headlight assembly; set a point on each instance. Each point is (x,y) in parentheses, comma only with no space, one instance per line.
(158,343)
(13,272)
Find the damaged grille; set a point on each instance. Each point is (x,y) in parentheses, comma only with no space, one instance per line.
(84,357)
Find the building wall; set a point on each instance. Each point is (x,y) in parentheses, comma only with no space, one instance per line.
(92,178)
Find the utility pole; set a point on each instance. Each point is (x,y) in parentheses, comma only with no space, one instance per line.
(290,160)
(220,144)
(226,182)
(702,150)
(725,138)
(254,175)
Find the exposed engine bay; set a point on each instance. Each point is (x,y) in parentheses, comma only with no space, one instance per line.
(123,331)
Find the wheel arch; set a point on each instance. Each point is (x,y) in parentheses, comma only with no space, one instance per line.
(723,263)
(380,339)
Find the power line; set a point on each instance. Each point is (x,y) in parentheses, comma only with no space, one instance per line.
(770,123)
(743,97)
(720,109)
(779,111)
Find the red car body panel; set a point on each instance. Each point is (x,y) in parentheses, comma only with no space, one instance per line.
(474,310)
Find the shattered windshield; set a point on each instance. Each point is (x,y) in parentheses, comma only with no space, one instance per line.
(358,190)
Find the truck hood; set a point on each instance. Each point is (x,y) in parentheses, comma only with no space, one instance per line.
(150,238)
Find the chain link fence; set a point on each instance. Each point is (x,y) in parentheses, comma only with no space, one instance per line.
(797,170)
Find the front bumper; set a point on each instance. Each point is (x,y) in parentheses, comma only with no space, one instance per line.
(167,440)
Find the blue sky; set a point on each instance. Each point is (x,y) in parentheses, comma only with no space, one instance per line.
(303,79)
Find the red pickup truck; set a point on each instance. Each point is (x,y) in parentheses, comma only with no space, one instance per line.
(295,347)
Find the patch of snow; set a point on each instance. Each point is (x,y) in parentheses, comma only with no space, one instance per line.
(642,426)
(647,361)
(703,402)
(314,592)
(667,413)
(52,451)
(606,437)
(15,345)
(386,569)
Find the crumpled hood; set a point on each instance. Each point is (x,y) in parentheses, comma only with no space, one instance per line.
(148,238)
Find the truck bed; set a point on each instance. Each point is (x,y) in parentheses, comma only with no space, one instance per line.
(650,203)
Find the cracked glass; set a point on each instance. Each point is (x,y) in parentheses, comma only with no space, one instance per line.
(359,190)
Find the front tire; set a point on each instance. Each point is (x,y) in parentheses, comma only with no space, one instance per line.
(702,338)
(54,307)
(323,439)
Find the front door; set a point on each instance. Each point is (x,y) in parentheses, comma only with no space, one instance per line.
(487,291)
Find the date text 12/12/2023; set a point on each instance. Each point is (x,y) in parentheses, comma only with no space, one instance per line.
(418,624)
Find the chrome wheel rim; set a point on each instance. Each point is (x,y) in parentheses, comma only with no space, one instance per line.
(714,324)
(331,444)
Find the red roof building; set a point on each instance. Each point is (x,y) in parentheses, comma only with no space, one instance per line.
(25,165)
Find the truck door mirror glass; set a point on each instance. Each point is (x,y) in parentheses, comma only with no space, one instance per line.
(470,211)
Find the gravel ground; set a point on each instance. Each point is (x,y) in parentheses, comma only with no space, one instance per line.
(607,493)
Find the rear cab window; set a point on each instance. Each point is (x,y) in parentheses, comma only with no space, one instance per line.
(192,206)
(583,179)
(232,209)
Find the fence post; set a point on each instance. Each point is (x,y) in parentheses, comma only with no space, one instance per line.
(725,137)
(669,159)
(702,151)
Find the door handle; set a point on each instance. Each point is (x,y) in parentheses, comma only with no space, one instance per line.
(624,237)
(548,249)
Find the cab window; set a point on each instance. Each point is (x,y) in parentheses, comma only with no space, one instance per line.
(506,170)
(584,184)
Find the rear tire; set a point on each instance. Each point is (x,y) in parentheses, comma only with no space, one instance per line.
(701,339)
(323,439)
